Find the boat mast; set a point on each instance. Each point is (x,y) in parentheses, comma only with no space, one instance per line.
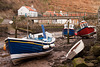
(27,30)
(43,30)
(68,32)
(27,27)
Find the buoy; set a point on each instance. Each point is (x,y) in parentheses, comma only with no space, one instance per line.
(76,34)
(45,46)
(52,45)
(4,47)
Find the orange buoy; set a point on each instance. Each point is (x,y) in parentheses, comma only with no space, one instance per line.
(4,47)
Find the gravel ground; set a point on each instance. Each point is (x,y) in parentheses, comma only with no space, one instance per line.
(51,60)
(47,61)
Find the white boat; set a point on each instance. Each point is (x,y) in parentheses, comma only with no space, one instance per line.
(78,47)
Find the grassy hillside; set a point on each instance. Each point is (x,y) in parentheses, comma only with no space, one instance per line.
(9,8)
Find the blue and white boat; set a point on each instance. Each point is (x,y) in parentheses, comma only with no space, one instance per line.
(31,46)
(71,30)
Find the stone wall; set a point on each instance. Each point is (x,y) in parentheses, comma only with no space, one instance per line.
(98,32)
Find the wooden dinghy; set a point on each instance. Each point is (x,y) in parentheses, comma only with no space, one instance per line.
(78,47)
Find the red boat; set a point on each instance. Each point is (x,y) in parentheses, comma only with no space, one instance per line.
(85,31)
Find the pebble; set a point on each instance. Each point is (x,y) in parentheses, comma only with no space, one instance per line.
(94,61)
(51,64)
(90,64)
(4,54)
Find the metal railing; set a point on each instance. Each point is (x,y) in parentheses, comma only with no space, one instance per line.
(49,14)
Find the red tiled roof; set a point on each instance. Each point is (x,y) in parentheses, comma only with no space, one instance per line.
(29,8)
(52,14)
(50,11)
(58,14)
(82,14)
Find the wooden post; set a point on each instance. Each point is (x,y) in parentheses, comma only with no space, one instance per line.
(84,15)
(67,14)
(99,15)
(27,29)
(68,33)
(16,31)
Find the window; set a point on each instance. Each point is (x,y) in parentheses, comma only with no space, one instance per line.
(21,9)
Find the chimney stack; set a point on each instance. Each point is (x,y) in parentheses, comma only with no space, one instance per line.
(54,12)
(32,6)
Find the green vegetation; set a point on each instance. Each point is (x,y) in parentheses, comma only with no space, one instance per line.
(96,50)
(22,29)
(63,66)
(1,20)
(22,17)
(98,58)
(79,62)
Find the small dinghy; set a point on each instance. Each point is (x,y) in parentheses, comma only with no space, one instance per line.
(32,46)
(78,47)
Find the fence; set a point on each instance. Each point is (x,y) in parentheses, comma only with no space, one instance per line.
(82,14)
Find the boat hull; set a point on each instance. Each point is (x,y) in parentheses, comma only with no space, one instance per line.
(16,58)
(21,49)
(71,32)
(77,48)
(87,31)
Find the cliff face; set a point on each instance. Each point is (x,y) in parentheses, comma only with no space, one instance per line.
(76,5)
(10,7)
